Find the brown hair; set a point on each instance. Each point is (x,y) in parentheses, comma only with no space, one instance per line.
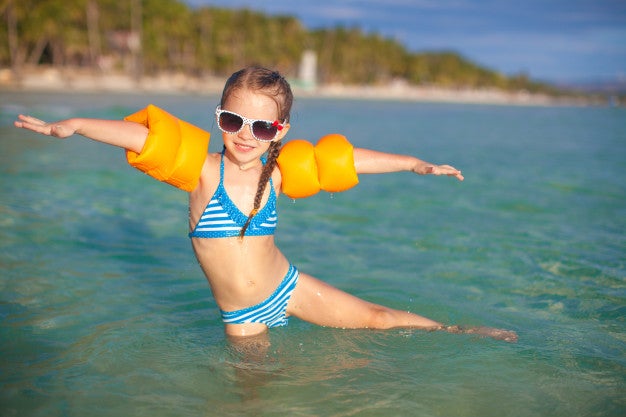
(274,85)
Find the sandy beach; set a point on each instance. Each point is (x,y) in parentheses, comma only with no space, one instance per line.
(79,81)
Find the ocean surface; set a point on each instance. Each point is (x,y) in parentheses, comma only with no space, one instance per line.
(105,312)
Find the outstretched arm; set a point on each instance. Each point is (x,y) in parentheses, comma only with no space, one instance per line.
(127,135)
(368,161)
(157,143)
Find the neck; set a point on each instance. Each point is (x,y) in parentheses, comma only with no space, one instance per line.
(250,165)
(245,165)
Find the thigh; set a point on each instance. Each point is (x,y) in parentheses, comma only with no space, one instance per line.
(320,303)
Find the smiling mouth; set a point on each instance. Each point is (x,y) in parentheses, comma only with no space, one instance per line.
(244,146)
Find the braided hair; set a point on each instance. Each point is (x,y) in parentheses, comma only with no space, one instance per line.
(274,85)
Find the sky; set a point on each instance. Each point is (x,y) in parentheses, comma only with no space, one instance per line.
(558,41)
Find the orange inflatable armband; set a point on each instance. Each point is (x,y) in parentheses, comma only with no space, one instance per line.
(174,151)
(298,169)
(307,169)
(335,163)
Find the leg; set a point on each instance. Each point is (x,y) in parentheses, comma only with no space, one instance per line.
(251,348)
(319,303)
(249,359)
(244,329)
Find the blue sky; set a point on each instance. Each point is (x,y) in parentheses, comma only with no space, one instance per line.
(550,40)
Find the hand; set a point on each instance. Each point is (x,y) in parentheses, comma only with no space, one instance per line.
(448,170)
(62,129)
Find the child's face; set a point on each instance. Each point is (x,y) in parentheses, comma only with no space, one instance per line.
(252,105)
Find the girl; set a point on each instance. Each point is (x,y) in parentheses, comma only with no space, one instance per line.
(232,212)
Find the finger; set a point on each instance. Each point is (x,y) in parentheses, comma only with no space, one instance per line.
(448,168)
(31,119)
(37,127)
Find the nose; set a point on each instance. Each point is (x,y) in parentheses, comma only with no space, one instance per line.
(246,132)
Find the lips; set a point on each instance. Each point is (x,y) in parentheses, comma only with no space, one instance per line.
(244,148)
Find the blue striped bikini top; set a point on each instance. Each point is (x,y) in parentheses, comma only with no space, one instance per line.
(221,218)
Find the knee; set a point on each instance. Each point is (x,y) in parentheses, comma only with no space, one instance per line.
(381,318)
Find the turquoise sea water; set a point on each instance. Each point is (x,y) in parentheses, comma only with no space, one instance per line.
(104,311)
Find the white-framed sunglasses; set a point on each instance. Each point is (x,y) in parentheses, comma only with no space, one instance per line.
(262,130)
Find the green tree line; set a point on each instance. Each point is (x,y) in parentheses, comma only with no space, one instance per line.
(152,36)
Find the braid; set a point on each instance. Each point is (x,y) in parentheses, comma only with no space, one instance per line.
(268,168)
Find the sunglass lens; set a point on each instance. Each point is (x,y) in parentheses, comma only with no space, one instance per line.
(264,130)
(230,122)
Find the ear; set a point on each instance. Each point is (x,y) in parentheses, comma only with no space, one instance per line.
(283,132)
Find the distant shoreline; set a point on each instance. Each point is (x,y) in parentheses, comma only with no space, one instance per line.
(53,80)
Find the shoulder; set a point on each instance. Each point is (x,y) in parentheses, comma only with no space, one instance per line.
(211,167)
(213,159)
(209,176)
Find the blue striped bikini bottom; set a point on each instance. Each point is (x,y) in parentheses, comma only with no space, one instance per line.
(271,311)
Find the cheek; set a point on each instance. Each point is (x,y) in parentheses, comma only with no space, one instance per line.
(264,146)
